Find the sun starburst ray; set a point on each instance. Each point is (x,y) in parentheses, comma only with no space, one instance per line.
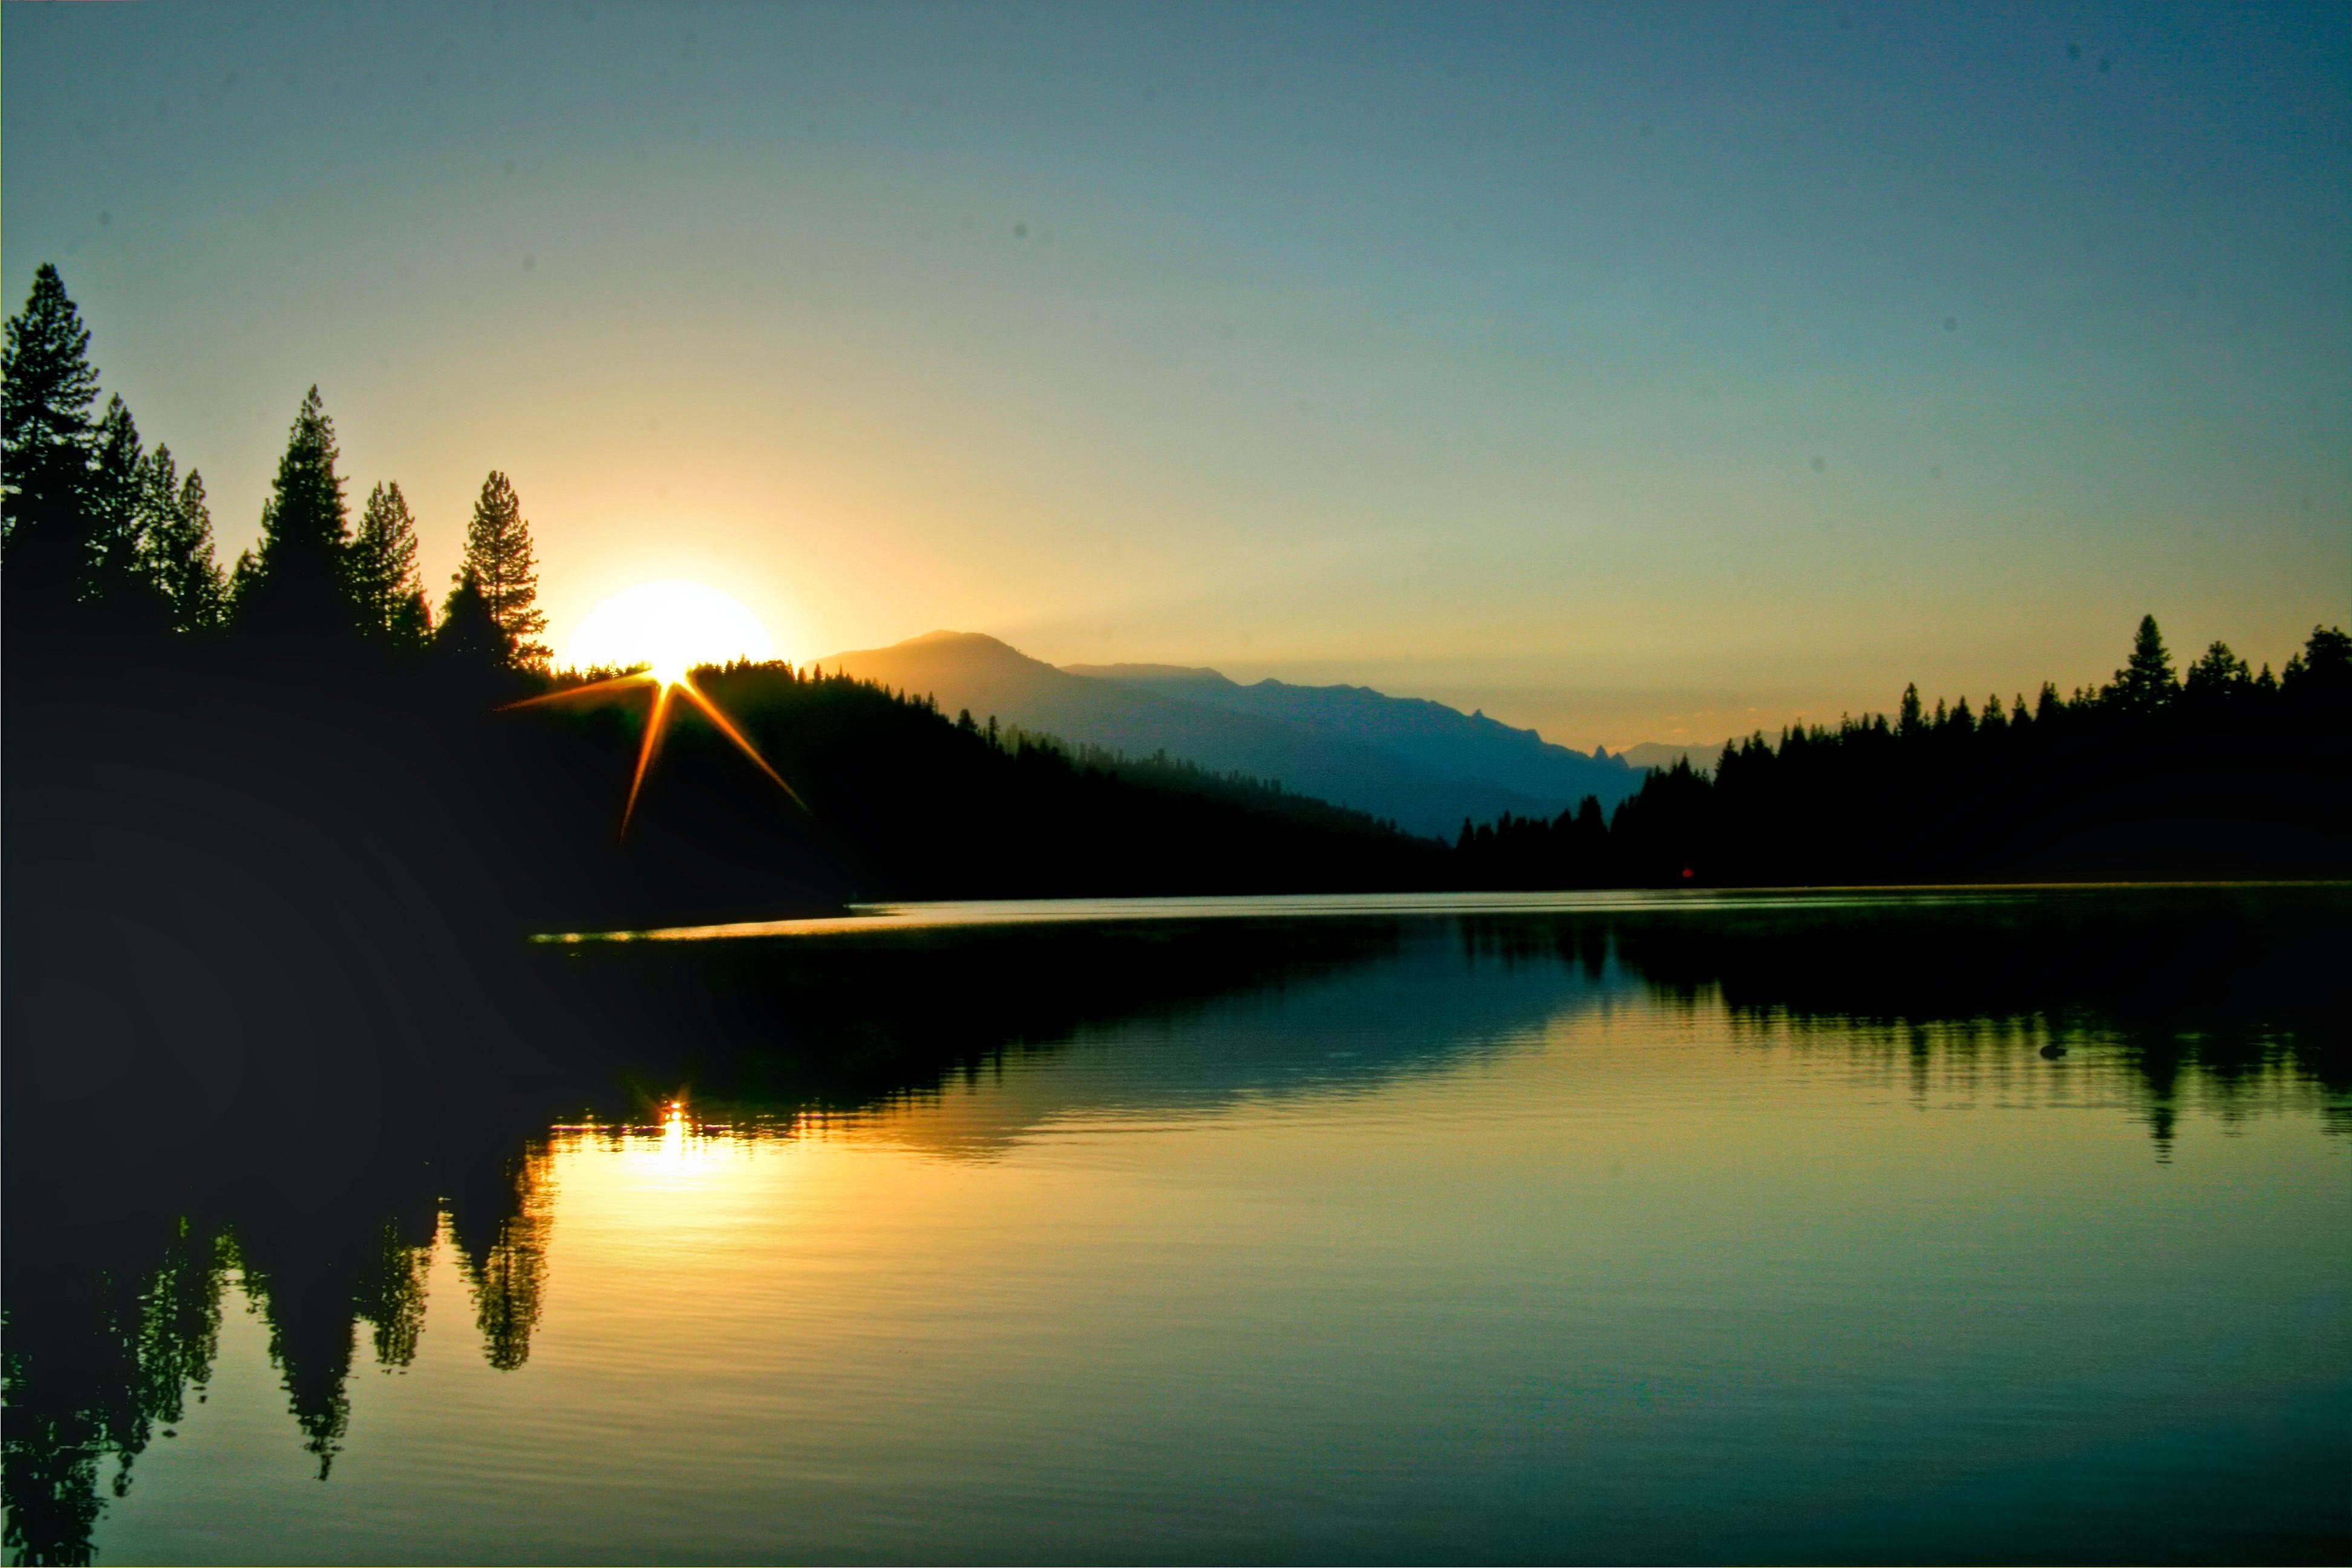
(594,688)
(658,722)
(666,631)
(654,724)
(710,711)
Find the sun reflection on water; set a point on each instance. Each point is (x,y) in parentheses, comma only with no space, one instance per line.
(676,1143)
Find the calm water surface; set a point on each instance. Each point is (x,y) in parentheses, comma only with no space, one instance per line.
(1502,1231)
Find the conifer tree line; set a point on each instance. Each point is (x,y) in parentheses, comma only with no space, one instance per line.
(98,532)
(106,544)
(2220,770)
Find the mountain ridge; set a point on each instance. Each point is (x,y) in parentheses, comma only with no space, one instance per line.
(1417,762)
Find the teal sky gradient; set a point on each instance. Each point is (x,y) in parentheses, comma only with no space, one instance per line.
(1636,372)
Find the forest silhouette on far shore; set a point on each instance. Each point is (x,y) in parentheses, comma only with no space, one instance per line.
(303,746)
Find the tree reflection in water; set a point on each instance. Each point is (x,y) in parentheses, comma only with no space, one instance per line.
(130,1213)
(506,1262)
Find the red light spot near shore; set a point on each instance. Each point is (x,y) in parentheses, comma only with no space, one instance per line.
(1687,873)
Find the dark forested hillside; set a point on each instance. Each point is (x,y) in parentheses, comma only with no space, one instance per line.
(903,802)
(297,756)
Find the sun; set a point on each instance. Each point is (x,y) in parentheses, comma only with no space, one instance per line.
(668,628)
(661,633)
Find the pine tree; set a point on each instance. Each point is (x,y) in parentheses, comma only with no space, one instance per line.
(411,621)
(179,538)
(386,588)
(115,512)
(469,636)
(243,578)
(299,587)
(2216,677)
(45,446)
(158,498)
(2145,684)
(499,558)
(1908,721)
(2320,677)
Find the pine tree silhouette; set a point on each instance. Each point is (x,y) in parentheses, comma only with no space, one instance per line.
(2145,684)
(2320,677)
(469,636)
(243,578)
(299,586)
(116,517)
(386,591)
(499,555)
(47,442)
(1908,721)
(179,545)
(2216,677)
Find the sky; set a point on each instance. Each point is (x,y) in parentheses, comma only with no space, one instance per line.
(1633,373)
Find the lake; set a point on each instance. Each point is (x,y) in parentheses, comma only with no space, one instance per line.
(1961,1226)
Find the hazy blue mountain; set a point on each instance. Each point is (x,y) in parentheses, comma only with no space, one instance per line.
(1430,735)
(1422,765)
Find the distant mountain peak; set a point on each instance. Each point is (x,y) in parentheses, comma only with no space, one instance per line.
(1167,674)
(968,639)
(942,650)
(1417,761)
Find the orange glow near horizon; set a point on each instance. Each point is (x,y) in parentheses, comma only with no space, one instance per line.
(670,626)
